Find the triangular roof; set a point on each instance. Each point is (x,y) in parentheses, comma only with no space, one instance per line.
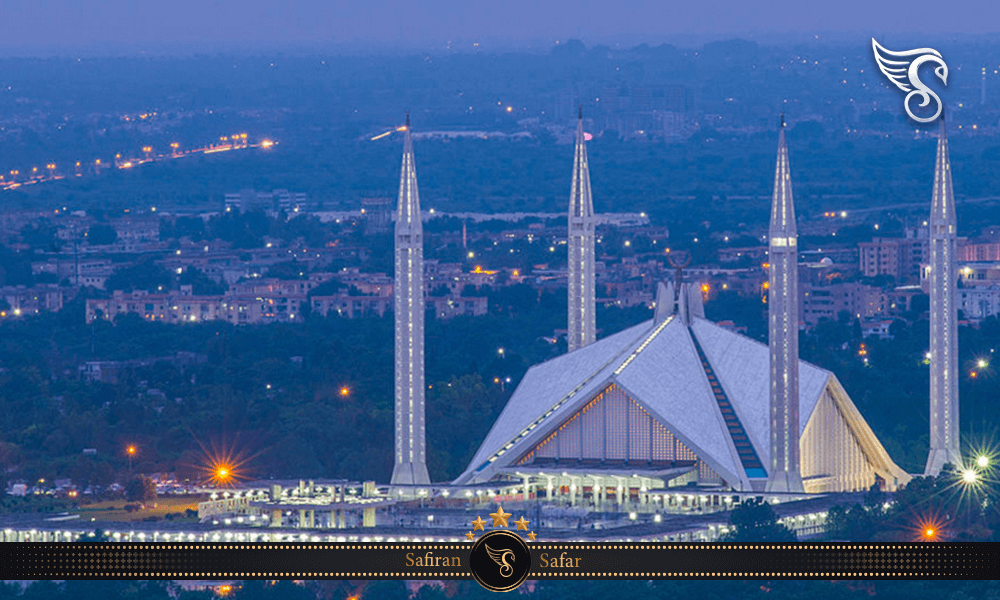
(657,363)
(742,365)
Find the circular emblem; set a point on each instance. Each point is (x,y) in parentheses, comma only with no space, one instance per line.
(500,561)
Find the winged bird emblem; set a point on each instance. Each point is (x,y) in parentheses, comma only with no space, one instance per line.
(500,558)
(902,69)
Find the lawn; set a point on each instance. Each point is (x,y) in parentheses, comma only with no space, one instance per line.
(114,510)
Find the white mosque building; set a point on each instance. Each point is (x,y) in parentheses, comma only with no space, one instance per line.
(679,400)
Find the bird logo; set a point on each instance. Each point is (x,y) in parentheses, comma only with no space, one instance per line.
(500,558)
(902,69)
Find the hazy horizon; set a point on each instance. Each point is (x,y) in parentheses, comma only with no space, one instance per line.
(47,27)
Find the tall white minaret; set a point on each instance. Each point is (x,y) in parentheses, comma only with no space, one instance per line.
(411,463)
(783,330)
(582,322)
(943,312)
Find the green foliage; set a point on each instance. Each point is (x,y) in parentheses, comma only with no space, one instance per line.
(754,521)
(15,267)
(200,283)
(33,503)
(955,511)
(144,275)
(101,234)
(140,489)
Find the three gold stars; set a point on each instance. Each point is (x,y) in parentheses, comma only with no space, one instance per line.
(478,524)
(500,517)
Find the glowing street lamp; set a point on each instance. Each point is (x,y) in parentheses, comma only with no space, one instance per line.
(982,461)
(969,476)
(130,451)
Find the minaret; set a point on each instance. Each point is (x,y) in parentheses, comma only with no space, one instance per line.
(783,330)
(582,323)
(410,465)
(944,327)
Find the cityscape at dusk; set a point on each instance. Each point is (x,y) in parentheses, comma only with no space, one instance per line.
(551,279)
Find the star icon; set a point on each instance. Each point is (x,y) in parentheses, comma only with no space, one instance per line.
(531,536)
(469,536)
(522,523)
(478,524)
(500,517)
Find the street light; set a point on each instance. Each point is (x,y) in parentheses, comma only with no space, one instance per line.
(982,461)
(130,451)
(970,476)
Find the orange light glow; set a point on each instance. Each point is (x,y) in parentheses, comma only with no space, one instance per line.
(344,391)
(929,529)
(266,144)
(224,465)
(131,450)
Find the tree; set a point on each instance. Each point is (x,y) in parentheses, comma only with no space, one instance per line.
(754,521)
(140,489)
(101,234)
(143,275)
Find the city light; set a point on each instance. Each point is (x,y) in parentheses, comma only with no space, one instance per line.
(131,450)
(970,476)
(345,391)
(982,461)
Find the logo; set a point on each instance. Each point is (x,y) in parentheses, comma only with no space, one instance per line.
(500,561)
(902,69)
(500,558)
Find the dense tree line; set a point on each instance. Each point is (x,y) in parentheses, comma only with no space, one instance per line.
(276,392)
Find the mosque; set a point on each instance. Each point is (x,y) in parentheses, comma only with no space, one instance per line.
(677,400)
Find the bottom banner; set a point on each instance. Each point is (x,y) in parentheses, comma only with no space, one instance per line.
(499,560)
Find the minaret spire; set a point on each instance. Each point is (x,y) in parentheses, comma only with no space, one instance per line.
(944,447)
(582,323)
(783,330)
(410,467)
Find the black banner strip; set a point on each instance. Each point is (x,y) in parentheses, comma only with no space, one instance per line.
(451,561)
